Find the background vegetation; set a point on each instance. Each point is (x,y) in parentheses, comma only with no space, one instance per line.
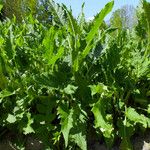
(64,79)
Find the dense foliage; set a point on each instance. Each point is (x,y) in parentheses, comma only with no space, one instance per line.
(71,80)
(39,9)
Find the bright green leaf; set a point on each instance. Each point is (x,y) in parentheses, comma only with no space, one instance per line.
(148,110)
(70,89)
(80,140)
(66,121)
(99,88)
(97,23)
(101,121)
(1,6)
(132,115)
(11,118)
(28,129)
(6,93)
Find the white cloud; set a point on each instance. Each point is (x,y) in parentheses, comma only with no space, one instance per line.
(90,18)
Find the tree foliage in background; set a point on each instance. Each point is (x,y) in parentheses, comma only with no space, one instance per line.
(22,8)
(143,19)
(17,8)
(124,18)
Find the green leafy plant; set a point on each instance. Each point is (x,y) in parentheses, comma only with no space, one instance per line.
(60,81)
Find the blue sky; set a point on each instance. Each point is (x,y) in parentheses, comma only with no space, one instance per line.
(92,7)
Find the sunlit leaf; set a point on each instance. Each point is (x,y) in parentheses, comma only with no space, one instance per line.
(66,122)
(11,118)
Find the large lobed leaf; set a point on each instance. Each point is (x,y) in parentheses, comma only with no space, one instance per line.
(66,121)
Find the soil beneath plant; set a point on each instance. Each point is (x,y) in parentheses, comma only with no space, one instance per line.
(139,142)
